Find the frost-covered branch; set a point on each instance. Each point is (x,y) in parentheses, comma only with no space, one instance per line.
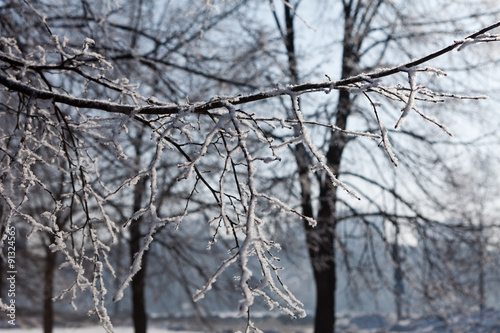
(219,101)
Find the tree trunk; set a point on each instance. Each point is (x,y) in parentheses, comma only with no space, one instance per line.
(398,276)
(320,243)
(138,282)
(48,305)
(482,282)
(321,239)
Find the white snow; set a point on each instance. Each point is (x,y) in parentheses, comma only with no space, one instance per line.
(90,329)
(346,322)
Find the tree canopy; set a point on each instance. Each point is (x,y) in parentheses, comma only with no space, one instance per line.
(159,116)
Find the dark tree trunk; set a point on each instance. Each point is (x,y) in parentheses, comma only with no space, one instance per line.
(320,242)
(138,282)
(321,239)
(398,276)
(48,305)
(482,281)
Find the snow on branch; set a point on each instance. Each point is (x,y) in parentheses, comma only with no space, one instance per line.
(218,102)
(483,38)
(255,240)
(410,102)
(306,139)
(384,133)
(155,223)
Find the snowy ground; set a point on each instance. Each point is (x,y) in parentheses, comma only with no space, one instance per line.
(489,323)
(90,329)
